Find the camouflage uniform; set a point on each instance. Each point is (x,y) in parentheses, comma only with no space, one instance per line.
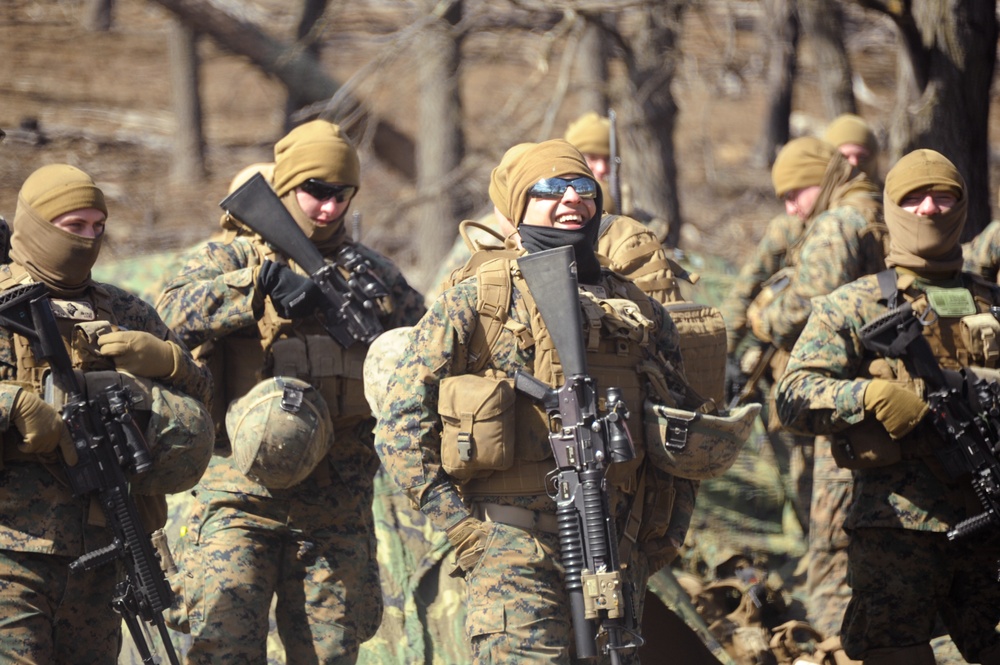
(311,544)
(769,256)
(52,614)
(899,557)
(982,254)
(516,599)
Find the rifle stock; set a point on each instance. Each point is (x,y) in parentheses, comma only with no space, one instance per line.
(107,442)
(583,445)
(350,313)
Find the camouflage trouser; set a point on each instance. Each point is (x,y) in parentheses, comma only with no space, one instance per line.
(517,607)
(794,454)
(826,578)
(51,615)
(902,580)
(318,558)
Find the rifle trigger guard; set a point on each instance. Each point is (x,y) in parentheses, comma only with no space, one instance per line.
(927,317)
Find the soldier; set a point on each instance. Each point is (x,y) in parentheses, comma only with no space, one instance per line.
(982,254)
(902,568)
(856,141)
(499,516)
(591,135)
(285,507)
(50,613)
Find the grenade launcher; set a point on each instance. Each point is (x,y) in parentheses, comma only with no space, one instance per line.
(583,444)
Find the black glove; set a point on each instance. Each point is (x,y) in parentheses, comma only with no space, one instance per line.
(292,295)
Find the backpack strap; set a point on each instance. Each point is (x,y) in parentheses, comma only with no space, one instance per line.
(492,304)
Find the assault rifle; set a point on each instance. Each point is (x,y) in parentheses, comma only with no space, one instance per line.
(584,444)
(350,313)
(964,409)
(776,283)
(108,442)
(615,162)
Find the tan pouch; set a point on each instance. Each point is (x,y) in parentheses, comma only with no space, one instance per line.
(290,358)
(865,445)
(703,347)
(980,334)
(477,417)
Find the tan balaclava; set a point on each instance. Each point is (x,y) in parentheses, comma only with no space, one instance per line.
(591,134)
(925,245)
(59,259)
(555,158)
(266,169)
(498,177)
(800,163)
(851,128)
(320,150)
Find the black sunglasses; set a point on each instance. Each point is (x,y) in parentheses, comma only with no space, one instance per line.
(555,188)
(322,191)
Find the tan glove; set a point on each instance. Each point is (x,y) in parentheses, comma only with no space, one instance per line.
(41,426)
(138,353)
(898,409)
(468,537)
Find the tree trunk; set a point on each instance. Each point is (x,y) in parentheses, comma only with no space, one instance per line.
(592,71)
(823,27)
(312,12)
(98,15)
(298,71)
(781,31)
(943,93)
(647,118)
(440,144)
(187,163)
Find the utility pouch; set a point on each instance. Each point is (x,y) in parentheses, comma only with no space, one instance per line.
(980,333)
(477,417)
(865,445)
(658,505)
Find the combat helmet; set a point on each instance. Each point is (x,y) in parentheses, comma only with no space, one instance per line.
(696,445)
(279,431)
(380,363)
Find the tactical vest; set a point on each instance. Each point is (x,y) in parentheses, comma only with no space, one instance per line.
(301,349)
(70,315)
(955,341)
(618,322)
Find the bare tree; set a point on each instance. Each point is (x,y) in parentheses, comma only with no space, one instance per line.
(823,31)
(648,116)
(187,162)
(306,36)
(299,71)
(98,15)
(943,91)
(781,32)
(441,144)
(592,69)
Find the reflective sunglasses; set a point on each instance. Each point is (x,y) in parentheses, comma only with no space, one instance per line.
(555,188)
(322,191)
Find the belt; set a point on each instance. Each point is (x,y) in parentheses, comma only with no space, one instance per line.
(522,518)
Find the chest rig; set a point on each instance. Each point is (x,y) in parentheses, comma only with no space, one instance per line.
(618,323)
(301,349)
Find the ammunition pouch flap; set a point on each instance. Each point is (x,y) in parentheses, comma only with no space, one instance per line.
(477,417)
(865,445)
(981,337)
(696,445)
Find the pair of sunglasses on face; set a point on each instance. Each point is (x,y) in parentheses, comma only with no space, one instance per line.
(322,191)
(555,188)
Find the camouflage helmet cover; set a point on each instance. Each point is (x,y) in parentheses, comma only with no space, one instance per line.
(279,430)
(380,363)
(696,445)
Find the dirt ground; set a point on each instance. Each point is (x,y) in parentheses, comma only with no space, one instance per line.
(102,101)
